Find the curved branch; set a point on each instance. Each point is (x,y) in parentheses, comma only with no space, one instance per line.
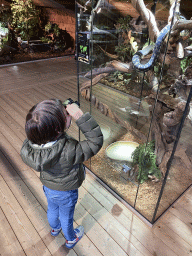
(148,18)
(171,11)
(181,25)
(93,14)
(104,109)
(121,66)
(93,82)
(98,71)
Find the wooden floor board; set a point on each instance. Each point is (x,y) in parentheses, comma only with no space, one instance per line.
(9,244)
(117,231)
(23,228)
(172,239)
(14,104)
(10,122)
(11,110)
(178,226)
(98,235)
(110,227)
(112,216)
(126,221)
(183,210)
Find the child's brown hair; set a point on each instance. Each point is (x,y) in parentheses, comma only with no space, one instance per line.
(45,121)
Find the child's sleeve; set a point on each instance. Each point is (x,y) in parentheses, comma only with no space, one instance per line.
(83,150)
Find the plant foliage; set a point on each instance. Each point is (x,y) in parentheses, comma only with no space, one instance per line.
(185,63)
(119,76)
(145,158)
(57,36)
(126,49)
(4,41)
(5,15)
(25,18)
(124,23)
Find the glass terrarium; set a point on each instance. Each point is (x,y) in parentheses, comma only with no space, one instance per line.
(134,76)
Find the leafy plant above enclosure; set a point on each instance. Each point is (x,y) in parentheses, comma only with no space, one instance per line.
(145,158)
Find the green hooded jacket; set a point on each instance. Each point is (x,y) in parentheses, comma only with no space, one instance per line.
(61,164)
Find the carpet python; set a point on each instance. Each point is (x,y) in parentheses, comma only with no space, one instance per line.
(136,60)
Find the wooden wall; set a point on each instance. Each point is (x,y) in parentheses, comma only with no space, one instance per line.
(65,19)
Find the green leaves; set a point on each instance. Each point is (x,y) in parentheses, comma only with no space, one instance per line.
(48,27)
(3,41)
(25,18)
(124,51)
(185,63)
(124,22)
(145,158)
(119,76)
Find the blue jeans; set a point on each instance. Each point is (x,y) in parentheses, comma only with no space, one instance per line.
(60,211)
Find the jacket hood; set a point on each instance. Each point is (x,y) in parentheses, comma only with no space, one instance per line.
(42,158)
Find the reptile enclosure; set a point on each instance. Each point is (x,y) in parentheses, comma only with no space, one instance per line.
(136,106)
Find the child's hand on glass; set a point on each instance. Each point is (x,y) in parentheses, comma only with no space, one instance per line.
(74,111)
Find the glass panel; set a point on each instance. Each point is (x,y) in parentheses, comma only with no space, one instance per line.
(112,106)
(123,101)
(123,93)
(148,192)
(180,175)
(83,57)
(150,183)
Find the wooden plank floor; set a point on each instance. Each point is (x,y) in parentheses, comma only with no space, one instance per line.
(24,229)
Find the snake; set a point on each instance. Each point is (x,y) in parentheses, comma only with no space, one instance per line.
(136,60)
